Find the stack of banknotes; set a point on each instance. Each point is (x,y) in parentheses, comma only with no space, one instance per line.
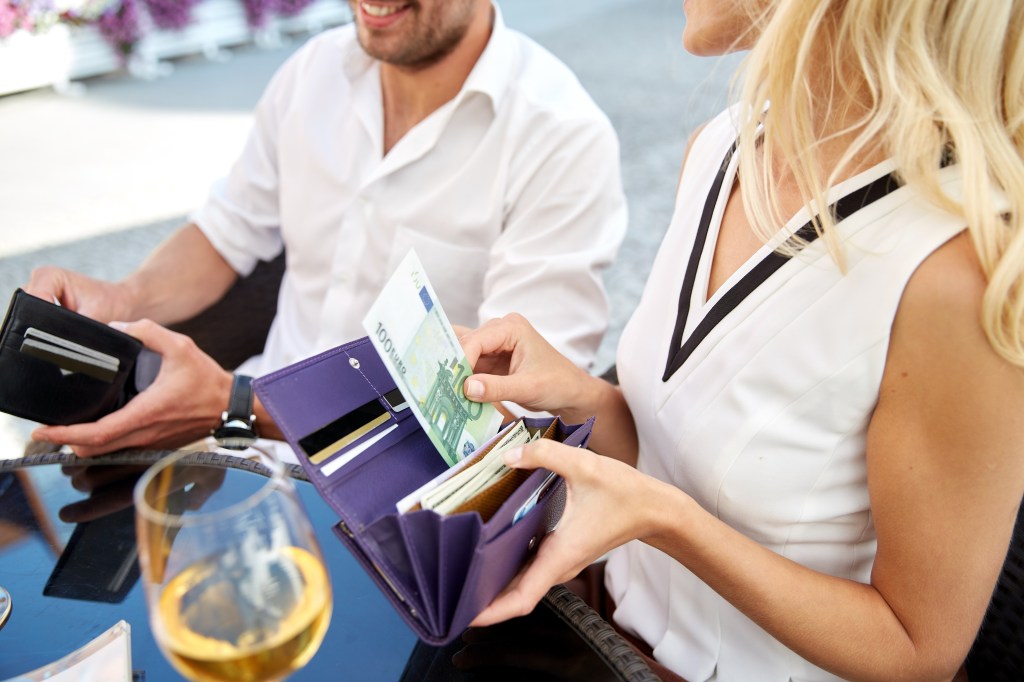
(413,336)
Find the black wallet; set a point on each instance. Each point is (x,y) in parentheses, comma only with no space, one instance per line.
(59,367)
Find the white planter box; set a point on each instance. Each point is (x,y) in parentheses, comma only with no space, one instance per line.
(66,53)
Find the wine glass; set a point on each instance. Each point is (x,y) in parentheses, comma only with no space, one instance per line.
(234,579)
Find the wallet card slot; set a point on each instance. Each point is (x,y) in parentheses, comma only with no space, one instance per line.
(69,361)
(453,561)
(422,534)
(347,456)
(367,489)
(345,430)
(60,342)
(396,401)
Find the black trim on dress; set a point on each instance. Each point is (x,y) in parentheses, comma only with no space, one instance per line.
(841,209)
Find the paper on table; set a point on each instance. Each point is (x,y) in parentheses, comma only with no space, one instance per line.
(108,657)
(414,338)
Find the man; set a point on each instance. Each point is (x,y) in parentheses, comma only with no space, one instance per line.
(425,124)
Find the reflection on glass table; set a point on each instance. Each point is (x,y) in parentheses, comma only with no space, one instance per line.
(66,554)
(233,574)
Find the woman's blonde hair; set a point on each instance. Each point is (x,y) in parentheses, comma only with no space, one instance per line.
(914,80)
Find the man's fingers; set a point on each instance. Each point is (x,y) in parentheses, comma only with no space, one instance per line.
(114,431)
(46,283)
(114,498)
(153,336)
(90,478)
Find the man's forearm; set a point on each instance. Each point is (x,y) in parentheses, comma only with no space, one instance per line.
(182,277)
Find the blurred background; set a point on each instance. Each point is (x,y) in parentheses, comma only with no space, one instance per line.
(101,156)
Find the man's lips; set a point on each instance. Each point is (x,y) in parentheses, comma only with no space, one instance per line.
(381,15)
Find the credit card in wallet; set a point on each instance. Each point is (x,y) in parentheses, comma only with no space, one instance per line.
(345,430)
(534,498)
(70,356)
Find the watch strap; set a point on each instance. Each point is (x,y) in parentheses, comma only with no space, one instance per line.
(240,402)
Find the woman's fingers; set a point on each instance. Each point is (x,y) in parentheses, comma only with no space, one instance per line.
(494,337)
(552,566)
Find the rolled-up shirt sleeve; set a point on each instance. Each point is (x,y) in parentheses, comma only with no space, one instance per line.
(241,216)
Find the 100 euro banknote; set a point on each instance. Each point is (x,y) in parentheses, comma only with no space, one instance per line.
(410,331)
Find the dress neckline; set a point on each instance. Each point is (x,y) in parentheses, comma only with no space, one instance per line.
(762,264)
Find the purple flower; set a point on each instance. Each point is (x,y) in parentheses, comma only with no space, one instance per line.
(257,11)
(8,18)
(289,8)
(171,15)
(119,25)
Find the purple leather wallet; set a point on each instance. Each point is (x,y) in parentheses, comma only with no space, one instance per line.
(364,451)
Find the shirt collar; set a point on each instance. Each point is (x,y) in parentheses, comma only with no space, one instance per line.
(492,73)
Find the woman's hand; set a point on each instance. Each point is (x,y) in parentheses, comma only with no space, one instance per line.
(603,510)
(514,363)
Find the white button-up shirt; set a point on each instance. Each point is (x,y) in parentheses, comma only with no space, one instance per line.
(510,194)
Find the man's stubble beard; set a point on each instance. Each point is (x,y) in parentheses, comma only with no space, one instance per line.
(429,42)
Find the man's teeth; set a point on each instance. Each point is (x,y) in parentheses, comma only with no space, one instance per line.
(379,10)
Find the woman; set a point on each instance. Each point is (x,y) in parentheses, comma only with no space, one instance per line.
(816,443)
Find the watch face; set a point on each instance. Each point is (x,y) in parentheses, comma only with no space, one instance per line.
(234,437)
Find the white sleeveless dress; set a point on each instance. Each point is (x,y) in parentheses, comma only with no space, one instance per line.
(763,415)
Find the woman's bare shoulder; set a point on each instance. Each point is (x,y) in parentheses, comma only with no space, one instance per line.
(941,370)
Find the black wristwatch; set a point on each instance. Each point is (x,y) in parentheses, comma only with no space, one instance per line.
(237,429)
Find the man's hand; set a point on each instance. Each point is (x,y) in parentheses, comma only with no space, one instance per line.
(103,301)
(182,405)
(110,490)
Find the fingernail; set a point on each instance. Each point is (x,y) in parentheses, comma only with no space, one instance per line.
(119,326)
(512,457)
(473,388)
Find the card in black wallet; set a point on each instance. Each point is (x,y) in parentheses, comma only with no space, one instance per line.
(59,367)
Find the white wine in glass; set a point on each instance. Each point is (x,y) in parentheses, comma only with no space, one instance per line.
(235,582)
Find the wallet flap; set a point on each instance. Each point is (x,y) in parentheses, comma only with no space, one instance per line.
(496,561)
(347,394)
(408,610)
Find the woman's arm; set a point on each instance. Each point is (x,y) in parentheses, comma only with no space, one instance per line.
(945,475)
